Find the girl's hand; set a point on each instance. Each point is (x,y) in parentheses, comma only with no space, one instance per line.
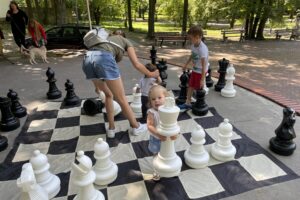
(174,137)
(162,138)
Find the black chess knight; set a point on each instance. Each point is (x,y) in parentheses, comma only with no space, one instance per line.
(53,92)
(283,142)
(223,63)
(92,106)
(71,99)
(184,80)
(200,108)
(8,121)
(16,107)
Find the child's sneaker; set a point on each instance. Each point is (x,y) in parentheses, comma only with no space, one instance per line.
(110,133)
(139,130)
(156,177)
(184,106)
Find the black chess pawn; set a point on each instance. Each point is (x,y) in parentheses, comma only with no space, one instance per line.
(8,121)
(17,109)
(54,92)
(153,55)
(71,99)
(184,80)
(223,63)
(200,108)
(208,80)
(283,142)
(3,143)
(92,106)
(162,67)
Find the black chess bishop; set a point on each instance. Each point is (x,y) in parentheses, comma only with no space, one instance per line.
(92,106)
(53,92)
(8,121)
(71,98)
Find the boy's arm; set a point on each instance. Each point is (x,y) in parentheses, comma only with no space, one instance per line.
(152,129)
(203,72)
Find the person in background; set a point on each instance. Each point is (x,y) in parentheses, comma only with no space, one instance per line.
(37,33)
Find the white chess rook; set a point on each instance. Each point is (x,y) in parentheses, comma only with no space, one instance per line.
(84,177)
(47,180)
(136,104)
(223,149)
(31,190)
(168,163)
(117,108)
(196,156)
(228,90)
(106,171)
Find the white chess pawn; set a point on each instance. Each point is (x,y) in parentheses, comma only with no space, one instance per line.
(31,190)
(117,108)
(196,156)
(83,176)
(136,104)
(228,90)
(167,163)
(47,180)
(106,171)
(223,149)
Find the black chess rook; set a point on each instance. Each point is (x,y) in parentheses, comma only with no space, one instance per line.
(17,109)
(71,98)
(184,80)
(283,143)
(53,92)
(208,80)
(8,121)
(223,63)
(92,106)
(200,108)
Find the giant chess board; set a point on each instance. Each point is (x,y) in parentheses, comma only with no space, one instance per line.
(59,132)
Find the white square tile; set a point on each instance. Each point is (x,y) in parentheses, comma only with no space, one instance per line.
(187,126)
(70,112)
(122,125)
(146,165)
(122,153)
(189,112)
(41,125)
(9,190)
(140,137)
(200,183)
(214,134)
(89,120)
(261,167)
(61,163)
(65,133)
(86,143)
(181,143)
(25,151)
(49,106)
(131,191)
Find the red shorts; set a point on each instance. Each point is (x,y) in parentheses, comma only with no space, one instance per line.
(194,81)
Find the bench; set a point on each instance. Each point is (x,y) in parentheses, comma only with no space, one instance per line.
(233,33)
(292,33)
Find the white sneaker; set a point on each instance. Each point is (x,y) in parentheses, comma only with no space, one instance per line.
(139,130)
(110,133)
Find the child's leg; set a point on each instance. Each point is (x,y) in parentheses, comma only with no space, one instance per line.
(189,95)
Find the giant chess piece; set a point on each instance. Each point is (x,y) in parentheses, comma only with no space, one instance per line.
(71,99)
(106,171)
(83,176)
(196,156)
(200,108)
(3,143)
(48,181)
(92,106)
(16,107)
(223,149)
(184,83)
(8,121)
(136,104)
(283,142)
(228,90)
(30,189)
(167,163)
(223,63)
(117,107)
(209,81)
(153,55)
(162,67)
(53,92)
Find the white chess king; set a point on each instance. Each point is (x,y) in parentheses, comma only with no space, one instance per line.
(167,163)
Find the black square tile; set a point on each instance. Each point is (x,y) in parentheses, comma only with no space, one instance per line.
(67,122)
(94,129)
(141,149)
(63,146)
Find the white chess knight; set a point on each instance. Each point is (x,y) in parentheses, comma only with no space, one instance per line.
(223,149)
(106,171)
(167,163)
(31,190)
(47,180)
(196,156)
(117,108)
(136,104)
(228,90)
(83,177)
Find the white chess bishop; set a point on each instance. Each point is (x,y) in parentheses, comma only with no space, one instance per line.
(117,108)
(30,189)
(228,90)
(167,163)
(223,149)
(196,156)
(83,176)
(136,104)
(106,171)
(47,180)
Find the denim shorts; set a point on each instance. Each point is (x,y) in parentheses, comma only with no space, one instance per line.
(99,64)
(154,144)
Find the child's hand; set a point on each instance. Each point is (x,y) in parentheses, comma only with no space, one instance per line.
(162,138)
(97,91)
(174,137)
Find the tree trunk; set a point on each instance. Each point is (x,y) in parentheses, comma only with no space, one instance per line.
(247,27)
(130,28)
(151,24)
(257,17)
(185,16)
(54,7)
(29,9)
(61,8)
(263,21)
(46,9)
(97,14)
(251,20)
(37,10)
